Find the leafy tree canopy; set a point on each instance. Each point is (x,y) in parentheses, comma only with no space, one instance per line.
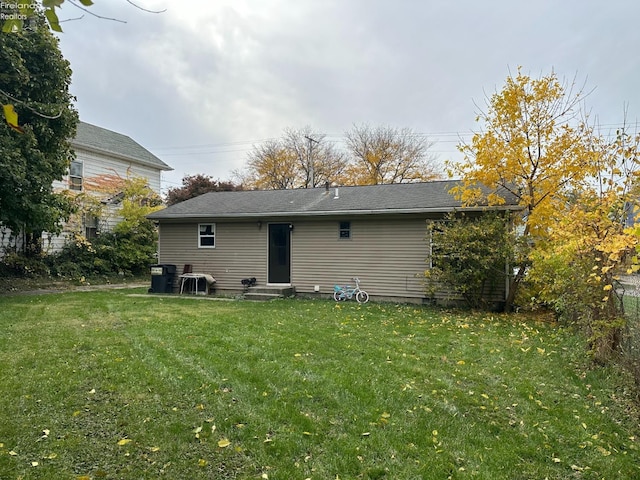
(26,15)
(32,156)
(195,185)
(535,144)
(578,189)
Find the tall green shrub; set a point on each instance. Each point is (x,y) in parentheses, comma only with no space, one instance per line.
(470,256)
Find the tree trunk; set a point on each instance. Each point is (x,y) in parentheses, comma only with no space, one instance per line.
(513,287)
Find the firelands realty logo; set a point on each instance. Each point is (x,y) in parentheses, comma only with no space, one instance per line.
(14,16)
(15,11)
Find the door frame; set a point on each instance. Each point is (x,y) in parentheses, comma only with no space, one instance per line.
(288,229)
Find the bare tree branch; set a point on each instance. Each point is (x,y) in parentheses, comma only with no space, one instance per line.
(40,114)
(71,19)
(95,14)
(144,9)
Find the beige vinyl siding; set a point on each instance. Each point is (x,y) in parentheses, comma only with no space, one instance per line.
(240,251)
(388,255)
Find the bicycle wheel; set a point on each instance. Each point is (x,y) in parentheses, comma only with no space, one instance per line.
(362,296)
(339,296)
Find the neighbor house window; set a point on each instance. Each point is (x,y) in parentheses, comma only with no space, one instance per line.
(90,226)
(75,175)
(344,231)
(207,235)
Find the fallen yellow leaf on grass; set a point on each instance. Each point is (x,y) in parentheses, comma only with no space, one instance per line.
(124,441)
(224,443)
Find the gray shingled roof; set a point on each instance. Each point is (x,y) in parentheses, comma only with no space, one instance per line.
(103,140)
(372,199)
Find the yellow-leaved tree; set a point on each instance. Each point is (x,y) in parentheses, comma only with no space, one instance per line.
(535,145)
(578,190)
(590,243)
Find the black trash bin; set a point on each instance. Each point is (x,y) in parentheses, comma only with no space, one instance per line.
(162,278)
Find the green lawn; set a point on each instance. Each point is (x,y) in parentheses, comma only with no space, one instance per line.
(106,385)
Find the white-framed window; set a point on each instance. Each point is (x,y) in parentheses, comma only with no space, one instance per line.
(75,175)
(344,230)
(207,235)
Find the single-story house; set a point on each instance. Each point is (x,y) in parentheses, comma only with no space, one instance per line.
(311,239)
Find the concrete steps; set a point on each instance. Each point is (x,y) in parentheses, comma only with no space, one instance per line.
(269,293)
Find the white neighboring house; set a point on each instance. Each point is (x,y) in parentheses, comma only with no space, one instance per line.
(103,152)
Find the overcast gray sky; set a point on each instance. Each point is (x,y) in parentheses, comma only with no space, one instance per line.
(201,83)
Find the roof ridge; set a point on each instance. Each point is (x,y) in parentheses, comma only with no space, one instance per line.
(424,197)
(103,139)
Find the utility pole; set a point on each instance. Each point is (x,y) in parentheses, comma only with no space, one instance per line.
(310,160)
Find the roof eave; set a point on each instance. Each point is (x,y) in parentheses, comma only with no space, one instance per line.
(163,166)
(327,213)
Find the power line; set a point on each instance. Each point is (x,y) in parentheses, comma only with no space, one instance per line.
(438,138)
(215,147)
